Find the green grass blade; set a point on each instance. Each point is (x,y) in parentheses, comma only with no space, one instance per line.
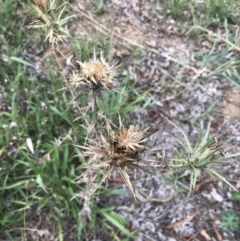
(21,61)
(118,222)
(216,174)
(14,185)
(39,181)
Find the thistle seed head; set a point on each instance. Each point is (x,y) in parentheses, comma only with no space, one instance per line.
(97,73)
(130,140)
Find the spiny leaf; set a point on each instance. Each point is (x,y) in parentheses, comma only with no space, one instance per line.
(212,172)
(124,174)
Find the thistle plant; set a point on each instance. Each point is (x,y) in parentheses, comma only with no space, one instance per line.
(49,17)
(202,155)
(118,150)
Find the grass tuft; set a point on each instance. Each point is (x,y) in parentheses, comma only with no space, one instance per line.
(202,155)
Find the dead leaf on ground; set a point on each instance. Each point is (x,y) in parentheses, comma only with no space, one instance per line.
(42,235)
(204,233)
(218,235)
(203,182)
(206,44)
(172,30)
(181,222)
(122,52)
(151,43)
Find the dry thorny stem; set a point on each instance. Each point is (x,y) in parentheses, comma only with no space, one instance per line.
(117,150)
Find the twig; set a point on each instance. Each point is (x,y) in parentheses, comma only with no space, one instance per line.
(163,200)
(219,36)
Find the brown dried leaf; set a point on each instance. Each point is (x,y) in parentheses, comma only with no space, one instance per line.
(151,43)
(172,30)
(203,182)
(179,223)
(122,52)
(218,235)
(203,232)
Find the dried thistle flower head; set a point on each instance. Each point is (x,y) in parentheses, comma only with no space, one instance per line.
(130,140)
(92,77)
(97,73)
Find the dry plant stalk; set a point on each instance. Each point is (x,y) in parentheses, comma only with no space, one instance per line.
(86,179)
